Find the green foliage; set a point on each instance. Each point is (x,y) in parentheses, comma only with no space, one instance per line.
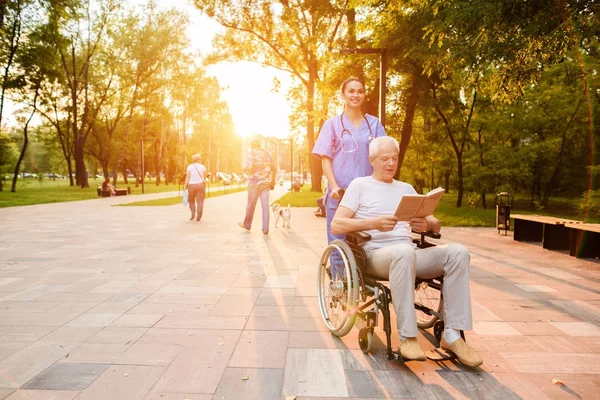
(590,203)
(8,155)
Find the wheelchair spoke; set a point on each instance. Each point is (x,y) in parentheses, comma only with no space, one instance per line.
(427,295)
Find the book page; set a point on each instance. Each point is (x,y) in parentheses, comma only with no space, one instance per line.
(432,199)
(408,207)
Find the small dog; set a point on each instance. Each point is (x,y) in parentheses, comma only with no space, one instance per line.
(282,212)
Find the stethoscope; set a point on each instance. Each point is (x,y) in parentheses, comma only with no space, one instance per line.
(345,131)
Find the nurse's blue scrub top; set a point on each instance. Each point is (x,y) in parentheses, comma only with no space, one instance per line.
(347,165)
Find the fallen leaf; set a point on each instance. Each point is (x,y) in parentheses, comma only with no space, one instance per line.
(557,382)
(290,397)
(126,374)
(245,377)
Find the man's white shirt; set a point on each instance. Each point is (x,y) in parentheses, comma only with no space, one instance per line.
(370,198)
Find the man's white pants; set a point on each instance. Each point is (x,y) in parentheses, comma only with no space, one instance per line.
(401,263)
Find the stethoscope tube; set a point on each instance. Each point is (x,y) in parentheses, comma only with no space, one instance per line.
(344,130)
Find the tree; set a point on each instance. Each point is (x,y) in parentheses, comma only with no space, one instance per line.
(295,36)
(78,31)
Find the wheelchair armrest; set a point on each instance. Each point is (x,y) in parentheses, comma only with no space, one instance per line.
(431,234)
(358,237)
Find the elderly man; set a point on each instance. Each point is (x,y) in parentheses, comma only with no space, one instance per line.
(369,205)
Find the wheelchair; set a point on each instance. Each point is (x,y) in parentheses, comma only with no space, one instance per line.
(351,293)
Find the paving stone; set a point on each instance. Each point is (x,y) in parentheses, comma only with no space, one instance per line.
(123,382)
(22,394)
(577,328)
(314,372)
(250,384)
(260,349)
(64,376)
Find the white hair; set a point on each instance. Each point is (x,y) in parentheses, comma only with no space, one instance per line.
(195,158)
(380,141)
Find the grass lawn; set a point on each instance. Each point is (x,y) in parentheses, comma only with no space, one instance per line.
(170,201)
(32,191)
(449,215)
(303,198)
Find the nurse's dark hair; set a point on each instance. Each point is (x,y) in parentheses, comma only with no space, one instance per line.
(352,79)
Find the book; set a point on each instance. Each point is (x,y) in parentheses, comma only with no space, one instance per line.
(418,205)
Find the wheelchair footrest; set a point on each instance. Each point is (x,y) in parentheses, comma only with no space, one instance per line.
(439,355)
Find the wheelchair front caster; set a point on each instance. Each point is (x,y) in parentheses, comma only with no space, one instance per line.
(365,339)
(438,329)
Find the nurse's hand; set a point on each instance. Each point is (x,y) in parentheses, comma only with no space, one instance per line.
(335,193)
(385,223)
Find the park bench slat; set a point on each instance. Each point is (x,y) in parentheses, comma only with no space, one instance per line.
(586,227)
(545,219)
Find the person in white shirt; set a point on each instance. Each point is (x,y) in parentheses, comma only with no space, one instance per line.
(369,204)
(195,178)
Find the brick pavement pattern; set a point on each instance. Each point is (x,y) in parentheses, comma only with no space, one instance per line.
(103,302)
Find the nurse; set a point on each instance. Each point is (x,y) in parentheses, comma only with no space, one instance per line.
(343,146)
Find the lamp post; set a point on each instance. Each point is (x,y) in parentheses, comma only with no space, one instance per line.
(382,75)
(292,164)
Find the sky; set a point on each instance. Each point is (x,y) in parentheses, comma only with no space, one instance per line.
(246,86)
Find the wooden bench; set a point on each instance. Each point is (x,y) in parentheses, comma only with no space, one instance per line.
(106,193)
(585,240)
(549,230)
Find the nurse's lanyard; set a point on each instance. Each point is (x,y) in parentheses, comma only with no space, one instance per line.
(347,132)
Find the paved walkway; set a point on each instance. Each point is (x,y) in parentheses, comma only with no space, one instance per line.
(102,302)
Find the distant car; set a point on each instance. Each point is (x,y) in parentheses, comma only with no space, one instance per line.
(28,175)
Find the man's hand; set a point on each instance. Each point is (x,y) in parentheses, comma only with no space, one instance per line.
(385,223)
(419,225)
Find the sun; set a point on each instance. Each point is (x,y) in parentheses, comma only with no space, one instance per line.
(247,87)
(254,107)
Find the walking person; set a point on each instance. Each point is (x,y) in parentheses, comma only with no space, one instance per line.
(261,169)
(343,147)
(195,184)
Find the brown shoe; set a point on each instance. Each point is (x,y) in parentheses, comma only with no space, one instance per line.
(410,349)
(465,354)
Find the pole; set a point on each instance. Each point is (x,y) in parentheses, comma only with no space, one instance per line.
(382,86)
(143,172)
(292,164)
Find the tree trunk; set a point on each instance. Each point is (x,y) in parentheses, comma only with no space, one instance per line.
(13,188)
(15,35)
(70,171)
(460,180)
(310,126)
(407,126)
(447,181)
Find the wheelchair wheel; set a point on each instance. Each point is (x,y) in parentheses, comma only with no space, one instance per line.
(365,339)
(430,296)
(337,289)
